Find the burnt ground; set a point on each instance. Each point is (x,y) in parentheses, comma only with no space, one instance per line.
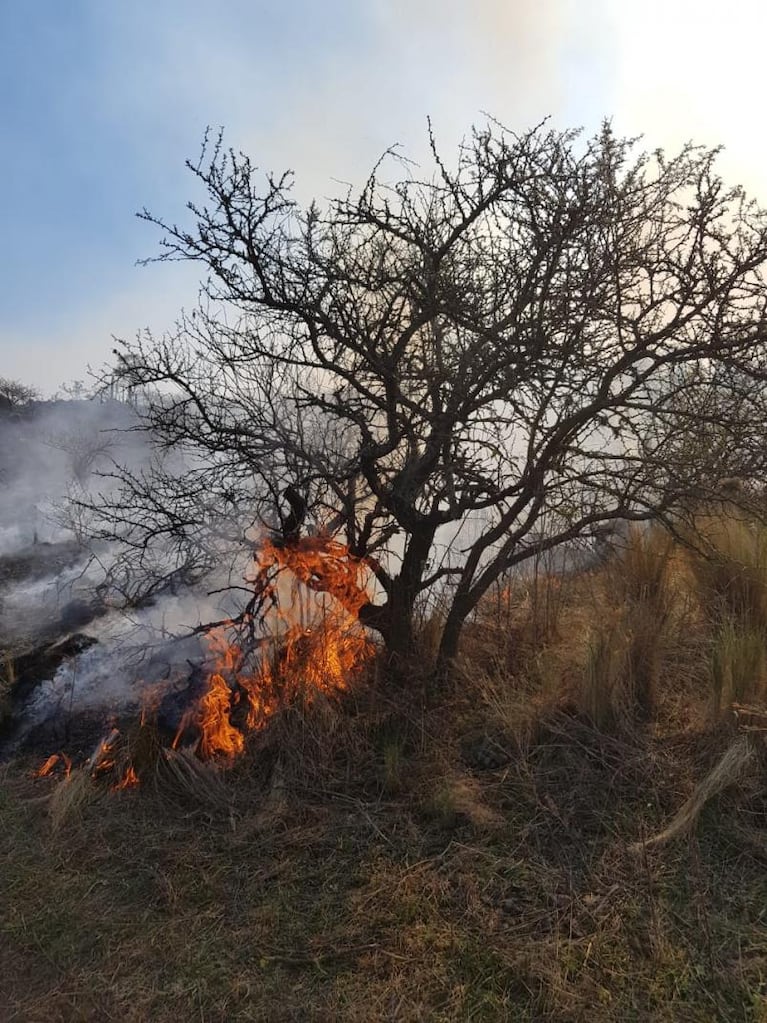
(35,639)
(37,561)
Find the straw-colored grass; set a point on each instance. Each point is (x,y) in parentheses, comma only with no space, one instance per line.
(731,568)
(737,759)
(738,665)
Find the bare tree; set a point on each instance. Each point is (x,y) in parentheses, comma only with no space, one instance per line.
(532,340)
(76,390)
(85,449)
(13,393)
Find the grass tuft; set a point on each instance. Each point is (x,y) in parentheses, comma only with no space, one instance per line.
(731,569)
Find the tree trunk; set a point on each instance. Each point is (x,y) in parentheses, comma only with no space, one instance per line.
(451,634)
(399,634)
(400,641)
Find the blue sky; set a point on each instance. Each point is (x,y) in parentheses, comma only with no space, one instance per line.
(102,100)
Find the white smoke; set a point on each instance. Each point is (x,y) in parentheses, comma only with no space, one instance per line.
(49,581)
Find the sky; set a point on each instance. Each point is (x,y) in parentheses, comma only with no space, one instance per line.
(103,100)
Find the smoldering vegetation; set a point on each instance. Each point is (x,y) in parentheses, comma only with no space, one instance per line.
(74,650)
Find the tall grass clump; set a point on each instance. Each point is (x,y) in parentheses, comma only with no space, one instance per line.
(630,632)
(738,664)
(641,580)
(604,676)
(731,569)
(730,565)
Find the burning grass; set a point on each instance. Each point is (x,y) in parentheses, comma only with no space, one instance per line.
(297,642)
(316,648)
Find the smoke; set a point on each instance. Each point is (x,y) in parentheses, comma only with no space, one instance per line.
(54,458)
(136,654)
(47,450)
(78,653)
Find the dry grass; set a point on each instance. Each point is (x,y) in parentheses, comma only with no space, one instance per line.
(729,564)
(731,568)
(500,850)
(494,894)
(738,665)
(737,759)
(605,640)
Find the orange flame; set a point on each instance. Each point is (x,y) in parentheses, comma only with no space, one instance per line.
(316,649)
(103,760)
(52,762)
(218,734)
(323,565)
(128,781)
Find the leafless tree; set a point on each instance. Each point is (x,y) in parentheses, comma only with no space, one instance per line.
(75,390)
(13,393)
(533,339)
(84,447)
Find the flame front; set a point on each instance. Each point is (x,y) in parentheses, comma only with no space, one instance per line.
(313,644)
(218,735)
(317,645)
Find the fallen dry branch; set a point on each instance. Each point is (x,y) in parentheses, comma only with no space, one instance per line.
(730,769)
(750,719)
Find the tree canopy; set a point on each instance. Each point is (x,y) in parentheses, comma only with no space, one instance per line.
(551,335)
(14,393)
